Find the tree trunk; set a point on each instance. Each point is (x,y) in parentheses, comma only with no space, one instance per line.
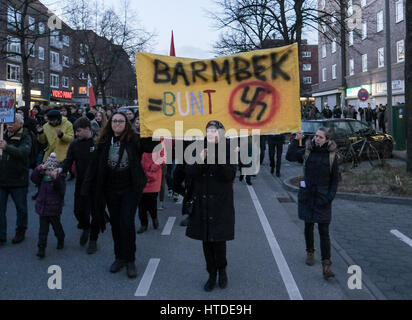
(408,84)
(343,50)
(26,79)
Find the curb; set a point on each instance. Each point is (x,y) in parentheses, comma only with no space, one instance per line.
(357,196)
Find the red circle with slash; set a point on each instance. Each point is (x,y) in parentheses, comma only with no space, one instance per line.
(273,107)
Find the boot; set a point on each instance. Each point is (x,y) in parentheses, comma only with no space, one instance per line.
(117,266)
(222,278)
(84,237)
(131,270)
(185,222)
(211,282)
(272,170)
(327,270)
(241,177)
(41,253)
(142,229)
(60,244)
(155,223)
(92,247)
(248,180)
(310,257)
(19,237)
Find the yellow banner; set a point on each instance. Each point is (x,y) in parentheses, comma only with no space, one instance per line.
(252,90)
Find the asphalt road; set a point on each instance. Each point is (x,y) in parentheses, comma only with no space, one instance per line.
(266,261)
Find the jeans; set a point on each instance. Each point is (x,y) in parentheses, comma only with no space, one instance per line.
(19,196)
(148,204)
(215,255)
(324,239)
(122,207)
(45,222)
(275,147)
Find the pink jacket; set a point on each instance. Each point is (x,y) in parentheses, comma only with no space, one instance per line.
(152,164)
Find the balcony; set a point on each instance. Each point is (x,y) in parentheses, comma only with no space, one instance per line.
(56,67)
(14,58)
(56,44)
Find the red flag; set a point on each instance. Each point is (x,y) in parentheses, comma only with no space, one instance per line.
(172,47)
(90,92)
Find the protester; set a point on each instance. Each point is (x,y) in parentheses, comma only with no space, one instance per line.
(317,191)
(242,165)
(93,123)
(213,216)
(118,180)
(326,112)
(14,176)
(81,152)
(29,122)
(152,163)
(369,115)
(382,118)
(57,133)
(101,119)
(49,202)
(337,112)
(275,143)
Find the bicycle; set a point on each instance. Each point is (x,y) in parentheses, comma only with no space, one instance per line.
(359,149)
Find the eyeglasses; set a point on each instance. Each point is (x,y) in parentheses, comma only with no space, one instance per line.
(118,121)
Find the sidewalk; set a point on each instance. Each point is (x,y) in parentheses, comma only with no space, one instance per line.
(400,154)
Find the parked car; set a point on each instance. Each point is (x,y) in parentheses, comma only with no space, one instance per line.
(135,109)
(346,131)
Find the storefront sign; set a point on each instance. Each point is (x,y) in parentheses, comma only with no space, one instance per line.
(62,94)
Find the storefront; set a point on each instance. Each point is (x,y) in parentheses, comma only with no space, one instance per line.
(60,98)
(331,98)
(352,96)
(37,98)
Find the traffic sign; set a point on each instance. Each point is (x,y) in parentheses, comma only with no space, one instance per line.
(363,94)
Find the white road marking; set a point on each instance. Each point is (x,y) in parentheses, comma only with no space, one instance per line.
(287,277)
(402,237)
(167,230)
(147,278)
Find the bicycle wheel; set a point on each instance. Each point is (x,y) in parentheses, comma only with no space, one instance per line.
(373,156)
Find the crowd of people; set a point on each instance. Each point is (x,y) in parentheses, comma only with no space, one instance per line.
(118,173)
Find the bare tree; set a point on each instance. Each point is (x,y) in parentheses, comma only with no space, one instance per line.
(105,35)
(408,84)
(18,35)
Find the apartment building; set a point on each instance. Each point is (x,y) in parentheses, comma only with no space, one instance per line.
(365,49)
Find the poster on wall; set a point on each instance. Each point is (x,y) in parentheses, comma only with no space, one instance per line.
(7,102)
(252,90)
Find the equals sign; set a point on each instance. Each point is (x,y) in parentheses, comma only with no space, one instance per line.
(155,104)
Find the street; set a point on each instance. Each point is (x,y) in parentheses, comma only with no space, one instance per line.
(266,261)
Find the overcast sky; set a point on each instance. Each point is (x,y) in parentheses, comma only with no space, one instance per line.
(194,34)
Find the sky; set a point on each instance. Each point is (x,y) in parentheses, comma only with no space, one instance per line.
(193,30)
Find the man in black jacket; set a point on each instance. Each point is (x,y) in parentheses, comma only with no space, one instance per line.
(80,152)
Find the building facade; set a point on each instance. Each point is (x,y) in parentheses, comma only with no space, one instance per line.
(365,50)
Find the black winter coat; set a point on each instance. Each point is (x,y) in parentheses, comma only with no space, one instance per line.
(213,214)
(315,200)
(96,184)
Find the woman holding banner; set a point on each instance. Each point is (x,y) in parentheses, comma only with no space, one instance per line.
(118,179)
(213,215)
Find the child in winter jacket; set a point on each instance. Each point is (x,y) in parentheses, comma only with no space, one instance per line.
(49,202)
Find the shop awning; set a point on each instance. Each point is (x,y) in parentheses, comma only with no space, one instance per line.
(38,99)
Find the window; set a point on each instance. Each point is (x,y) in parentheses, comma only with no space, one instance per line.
(32,49)
(82,60)
(66,41)
(54,80)
(381,57)
(334,45)
(351,67)
(307,80)
(399,11)
(350,8)
(400,51)
(364,63)
(84,48)
(32,23)
(41,53)
(364,30)
(31,74)
(65,82)
(40,77)
(54,58)
(13,18)
(306,54)
(82,90)
(65,61)
(334,71)
(324,74)
(13,45)
(324,51)
(363,3)
(379,21)
(307,67)
(54,37)
(13,72)
(351,38)
(41,27)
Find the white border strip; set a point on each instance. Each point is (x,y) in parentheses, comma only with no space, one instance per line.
(167,230)
(147,278)
(402,237)
(287,277)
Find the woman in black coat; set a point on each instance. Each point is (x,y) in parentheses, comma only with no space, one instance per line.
(317,191)
(116,178)
(213,215)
